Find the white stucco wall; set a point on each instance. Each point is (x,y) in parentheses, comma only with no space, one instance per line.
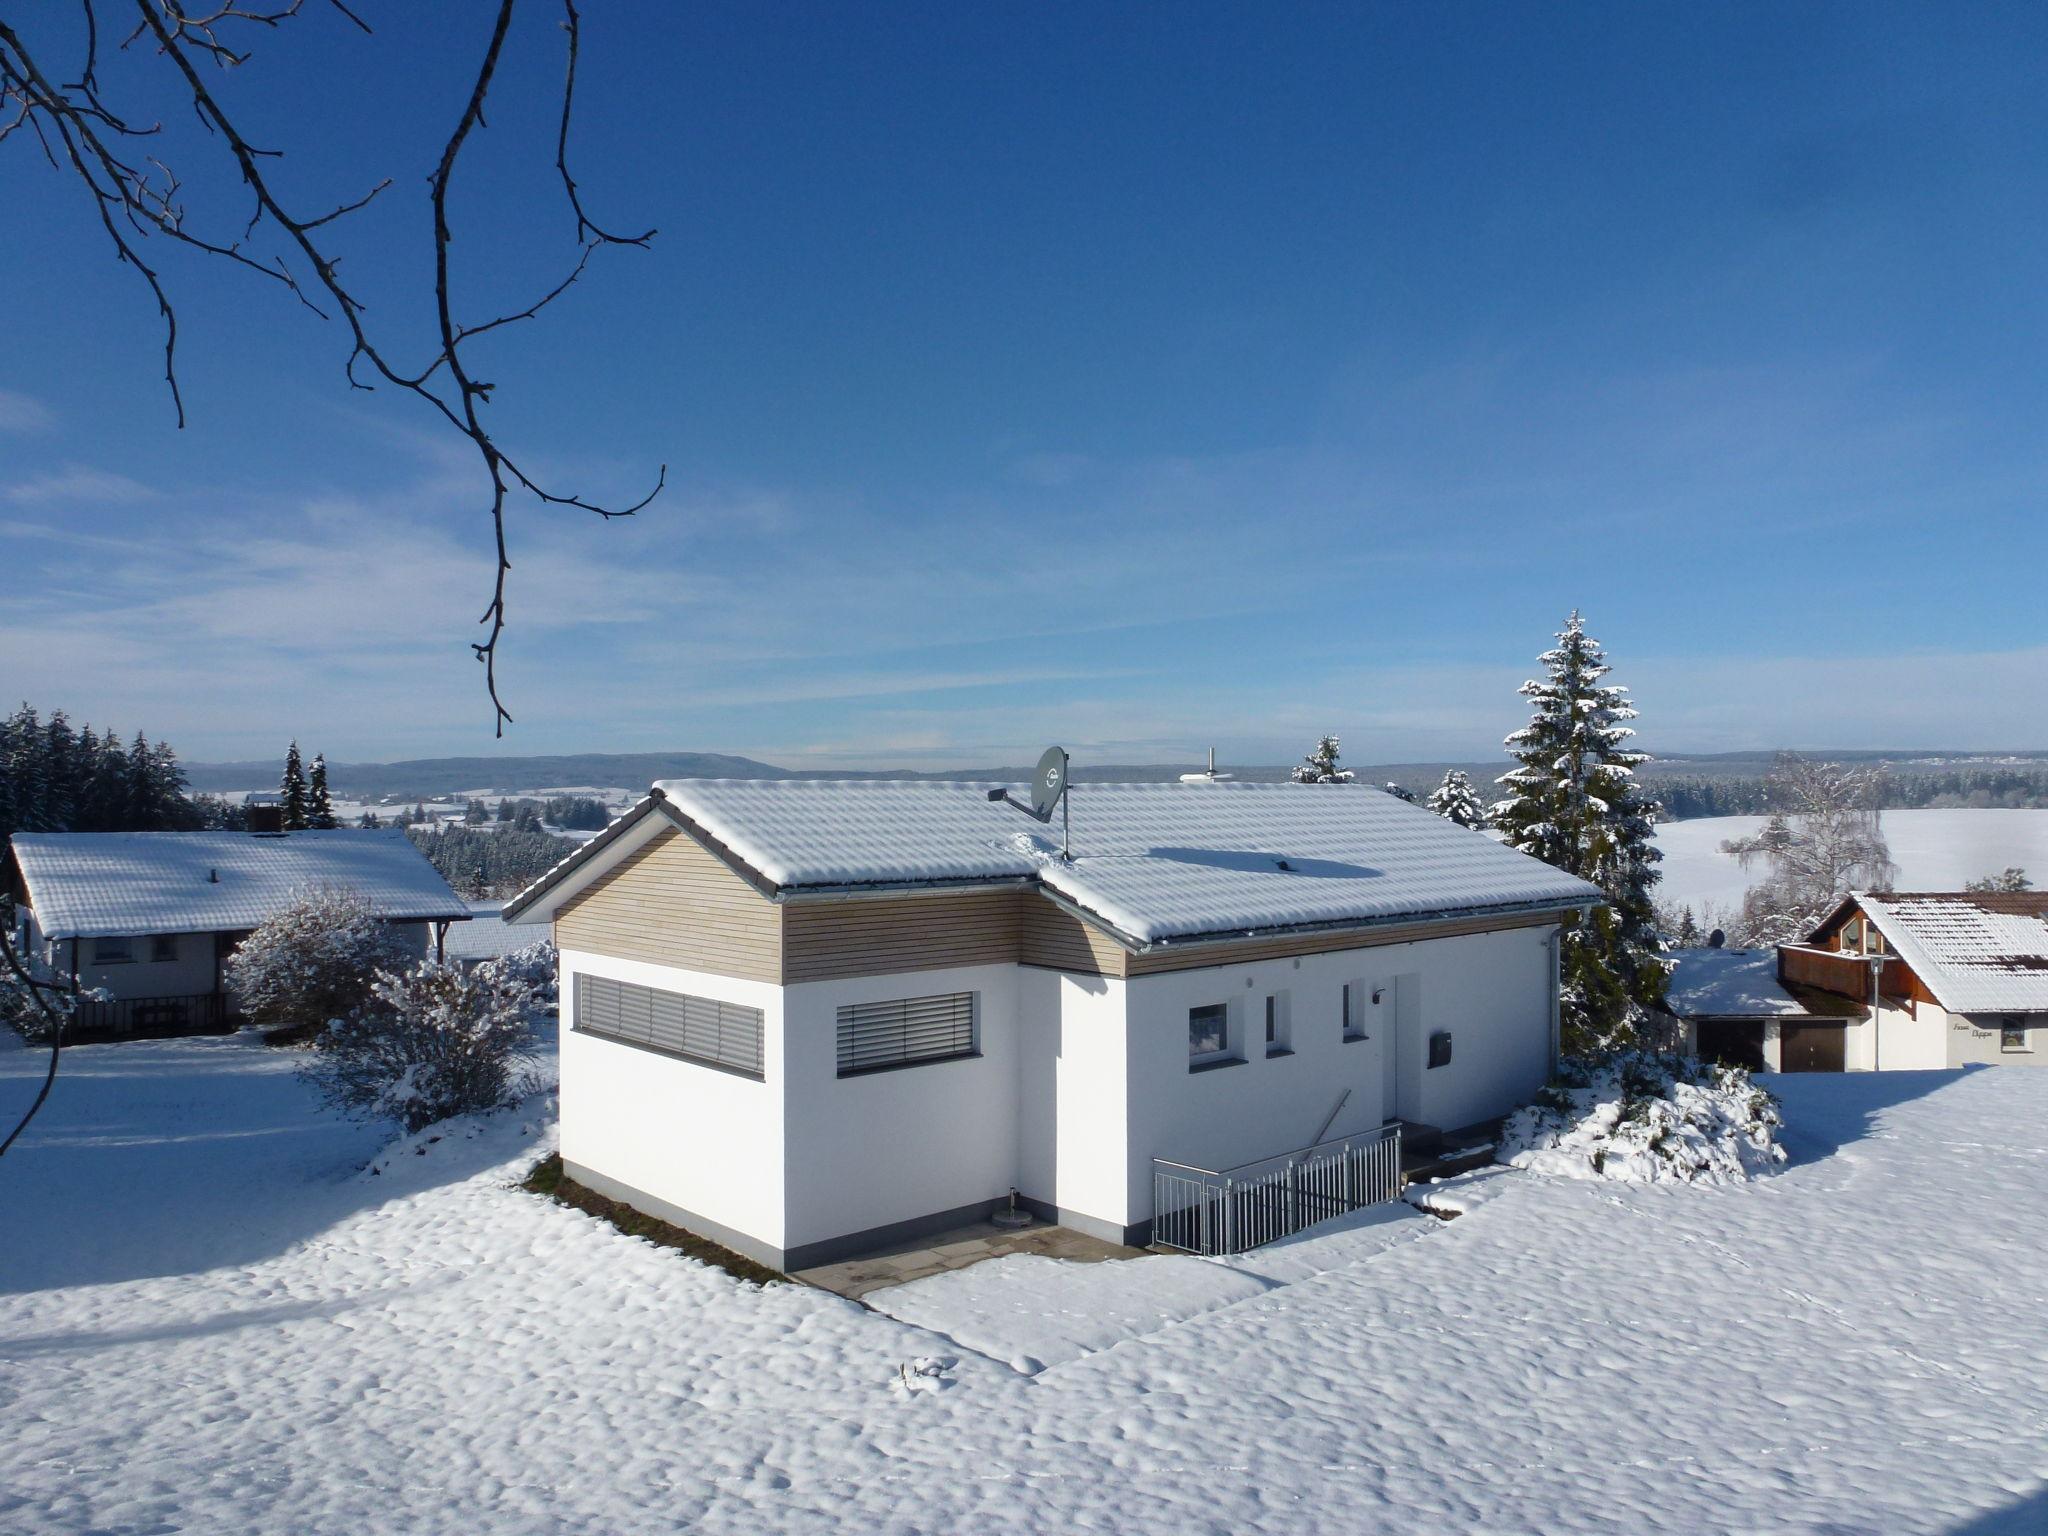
(1492,991)
(1977,1040)
(189,975)
(706,1141)
(884,1147)
(1073,1087)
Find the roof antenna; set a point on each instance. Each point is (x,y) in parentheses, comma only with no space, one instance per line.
(1209,777)
(1048,789)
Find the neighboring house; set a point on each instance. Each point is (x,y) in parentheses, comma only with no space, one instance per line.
(808,1017)
(1957,977)
(150,916)
(485,936)
(1736,1010)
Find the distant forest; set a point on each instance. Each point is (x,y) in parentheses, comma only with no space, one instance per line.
(1984,787)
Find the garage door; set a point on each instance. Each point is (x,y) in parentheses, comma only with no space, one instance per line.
(1811,1048)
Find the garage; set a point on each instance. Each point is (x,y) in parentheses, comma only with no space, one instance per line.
(1814,1047)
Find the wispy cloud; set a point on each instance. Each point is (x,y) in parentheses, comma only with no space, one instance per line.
(78,483)
(24,413)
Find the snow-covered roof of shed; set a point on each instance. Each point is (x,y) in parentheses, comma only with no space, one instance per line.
(485,936)
(1977,952)
(1155,862)
(1728,984)
(96,884)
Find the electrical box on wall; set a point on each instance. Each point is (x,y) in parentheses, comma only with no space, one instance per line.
(1440,1048)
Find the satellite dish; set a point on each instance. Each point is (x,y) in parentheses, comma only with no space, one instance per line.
(1716,939)
(1048,782)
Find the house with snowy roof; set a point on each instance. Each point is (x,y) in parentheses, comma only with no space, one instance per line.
(1736,1009)
(808,1018)
(150,917)
(1937,978)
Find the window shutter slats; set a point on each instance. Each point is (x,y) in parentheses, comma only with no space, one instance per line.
(697,1029)
(903,1032)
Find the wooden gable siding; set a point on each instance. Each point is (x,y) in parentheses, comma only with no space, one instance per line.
(674,903)
(1059,941)
(875,935)
(1249,951)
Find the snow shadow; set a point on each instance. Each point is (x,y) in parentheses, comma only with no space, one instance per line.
(2027,1517)
(1826,1111)
(1254,863)
(169,1157)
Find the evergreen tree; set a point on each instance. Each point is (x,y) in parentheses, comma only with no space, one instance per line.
(293,787)
(369,821)
(2012,881)
(319,809)
(1398,791)
(1456,801)
(1320,766)
(1688,935)
(1573,801)
(60,773)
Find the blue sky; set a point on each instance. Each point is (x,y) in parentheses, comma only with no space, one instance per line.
(1138,378)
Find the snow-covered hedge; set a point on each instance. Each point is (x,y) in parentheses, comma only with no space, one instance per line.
(429,1043)
(1646,1118)
(533,969)
(313,961)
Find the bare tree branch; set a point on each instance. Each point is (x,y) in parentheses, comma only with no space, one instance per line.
(134,202)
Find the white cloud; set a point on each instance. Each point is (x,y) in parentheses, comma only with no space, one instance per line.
(78,483)
(23,413)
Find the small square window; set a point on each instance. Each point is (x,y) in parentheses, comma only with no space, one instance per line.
(163,947)
(1208,1034)
(2013,1037)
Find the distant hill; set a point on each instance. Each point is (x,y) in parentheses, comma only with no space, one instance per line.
(430,776)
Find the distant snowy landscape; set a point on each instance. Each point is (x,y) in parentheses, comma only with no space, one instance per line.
(1935,851)
(222,1310)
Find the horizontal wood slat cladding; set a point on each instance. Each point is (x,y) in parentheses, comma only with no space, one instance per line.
(1248,951)
(1059,941)
(673,903)
(876,935)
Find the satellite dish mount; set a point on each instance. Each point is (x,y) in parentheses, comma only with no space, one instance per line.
(1048,793)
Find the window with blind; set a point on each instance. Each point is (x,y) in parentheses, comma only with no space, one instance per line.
(906,1032)
(698,1029)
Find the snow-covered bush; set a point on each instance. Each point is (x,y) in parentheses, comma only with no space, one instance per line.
(314,961)
(532,969)
(1646,1118)
(429,1042)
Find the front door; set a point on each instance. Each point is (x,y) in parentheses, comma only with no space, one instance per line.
(1812,1048)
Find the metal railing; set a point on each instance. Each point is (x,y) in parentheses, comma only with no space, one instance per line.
(208,1011)
(1214,1211)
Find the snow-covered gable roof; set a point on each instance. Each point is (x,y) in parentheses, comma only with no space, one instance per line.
(485,936)
(1976,952)
(96,884)
(1153,862)
(1728,984)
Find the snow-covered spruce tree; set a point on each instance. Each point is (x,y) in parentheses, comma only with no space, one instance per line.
(1573,801)
(319,808)
(1647,1118)
(428,1042)
(292,787)
(1456,801)
(312,962)
(1320,766)
(1822,841)
(1398,791)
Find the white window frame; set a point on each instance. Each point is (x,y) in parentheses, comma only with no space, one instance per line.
(1279,1025)
(1226,1054)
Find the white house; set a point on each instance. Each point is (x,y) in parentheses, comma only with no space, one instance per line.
(1944,978)
(150,916)
(808,1018)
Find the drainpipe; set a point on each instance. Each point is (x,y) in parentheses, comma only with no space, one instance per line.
(1876,963)
(1555,945)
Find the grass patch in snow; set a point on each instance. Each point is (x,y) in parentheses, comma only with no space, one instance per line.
(547,1178)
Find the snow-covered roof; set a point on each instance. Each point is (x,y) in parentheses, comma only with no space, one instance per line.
(1977,952)
(94,884)
(1728,984)
(1153,862)
(485,936)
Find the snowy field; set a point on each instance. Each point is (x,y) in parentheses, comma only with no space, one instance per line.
(1935,851)
(213,1319)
